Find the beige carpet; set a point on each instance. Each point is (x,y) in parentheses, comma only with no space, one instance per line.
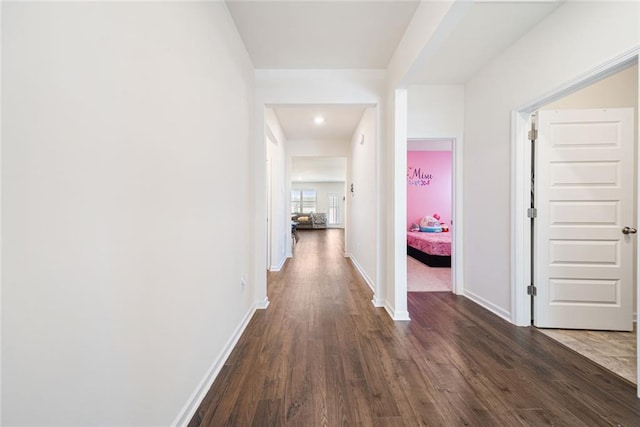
(422,278)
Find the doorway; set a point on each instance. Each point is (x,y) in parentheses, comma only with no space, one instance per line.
(322,148)
(429,215)
(317,196)
(317,192)
(601,90)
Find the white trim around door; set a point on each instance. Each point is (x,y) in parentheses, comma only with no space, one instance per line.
(521,312)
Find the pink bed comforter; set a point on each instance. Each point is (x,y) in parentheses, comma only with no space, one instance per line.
(430,243)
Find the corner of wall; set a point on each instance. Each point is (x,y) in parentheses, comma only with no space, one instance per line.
(396,315)
(278,267)
(498,311)
(363,273)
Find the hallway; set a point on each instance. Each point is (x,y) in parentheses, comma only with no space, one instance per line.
(321,354)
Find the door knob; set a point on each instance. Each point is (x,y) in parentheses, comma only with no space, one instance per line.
(629,230)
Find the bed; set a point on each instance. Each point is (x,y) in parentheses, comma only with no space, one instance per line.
(432,249)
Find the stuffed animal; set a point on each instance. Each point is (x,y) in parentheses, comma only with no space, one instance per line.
(430,225)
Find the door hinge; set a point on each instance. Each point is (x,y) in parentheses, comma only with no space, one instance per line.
(531,290)
(532,213)
(533,133)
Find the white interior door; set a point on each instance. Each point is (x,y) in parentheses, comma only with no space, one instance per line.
(584,197)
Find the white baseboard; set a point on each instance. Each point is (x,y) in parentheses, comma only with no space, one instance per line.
(488,305)
(279,266)
(399,316)
(262,305)
(364,275)
(190,408)
(377,302)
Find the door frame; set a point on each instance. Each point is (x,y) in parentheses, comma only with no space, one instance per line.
(521,312)
(456,208)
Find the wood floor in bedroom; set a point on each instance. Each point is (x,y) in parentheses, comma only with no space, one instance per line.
(322,355)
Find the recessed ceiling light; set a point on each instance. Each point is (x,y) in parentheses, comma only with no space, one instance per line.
(318,120)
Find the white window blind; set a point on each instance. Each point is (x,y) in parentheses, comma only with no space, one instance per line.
(303,201)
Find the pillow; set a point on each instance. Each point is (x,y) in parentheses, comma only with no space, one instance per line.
(318,217)
(303,218)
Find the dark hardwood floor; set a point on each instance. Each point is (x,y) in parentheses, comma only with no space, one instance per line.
(322,355)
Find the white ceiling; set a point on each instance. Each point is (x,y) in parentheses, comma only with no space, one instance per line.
(318,169)
(321,34)
(344,34)
(340,121)
(484,32)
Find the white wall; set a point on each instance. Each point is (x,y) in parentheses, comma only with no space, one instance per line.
(1,135)
(435,111)
(322,195)
(430,145)
(124,125)
(362,213)
(317,148)
(279,218)
(319,86)
(576,38)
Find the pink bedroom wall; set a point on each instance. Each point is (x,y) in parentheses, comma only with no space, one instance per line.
(430,192)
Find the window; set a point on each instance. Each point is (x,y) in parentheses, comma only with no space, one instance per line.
(335,216)
(303,201)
